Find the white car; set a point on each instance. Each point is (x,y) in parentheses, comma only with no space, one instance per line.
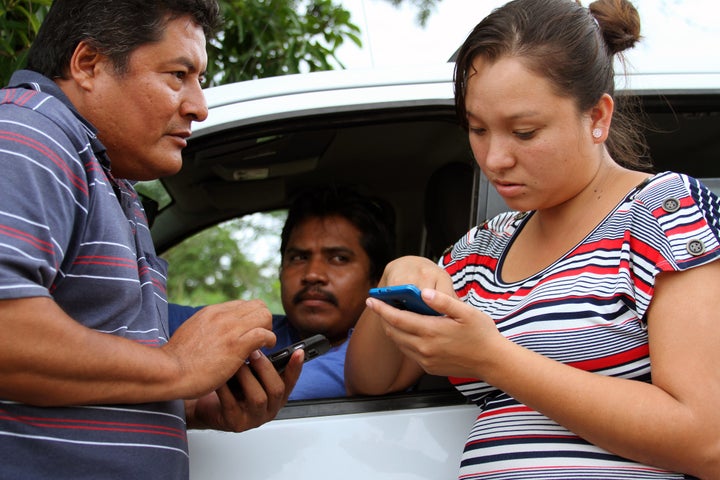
(393,133)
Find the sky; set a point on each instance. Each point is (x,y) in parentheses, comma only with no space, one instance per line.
(678,35)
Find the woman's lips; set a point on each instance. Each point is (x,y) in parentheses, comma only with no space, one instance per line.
(507,189)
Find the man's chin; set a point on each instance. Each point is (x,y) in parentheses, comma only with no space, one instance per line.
(313,319)
(168,168)
(149,171)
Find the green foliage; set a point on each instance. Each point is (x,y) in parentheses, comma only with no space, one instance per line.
(260,38)
(154,190)
(19,23)
(278,37)
(226,263)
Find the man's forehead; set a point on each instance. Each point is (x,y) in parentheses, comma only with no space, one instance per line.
(332,232)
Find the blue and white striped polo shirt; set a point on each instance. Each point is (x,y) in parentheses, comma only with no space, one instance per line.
(64,234)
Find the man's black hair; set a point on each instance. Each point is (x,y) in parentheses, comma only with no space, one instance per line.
(374,218)
(114,27)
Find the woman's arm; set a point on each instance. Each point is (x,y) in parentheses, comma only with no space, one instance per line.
(374,365)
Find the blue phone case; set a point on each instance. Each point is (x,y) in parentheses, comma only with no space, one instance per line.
(404,297)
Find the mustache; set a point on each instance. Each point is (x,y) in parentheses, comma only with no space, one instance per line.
(315,293)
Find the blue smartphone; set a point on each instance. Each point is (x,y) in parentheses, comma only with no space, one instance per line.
(404,297)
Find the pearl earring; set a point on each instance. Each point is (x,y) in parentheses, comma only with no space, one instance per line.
(597,132)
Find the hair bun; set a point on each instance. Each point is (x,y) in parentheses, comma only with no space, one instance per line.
(619,23)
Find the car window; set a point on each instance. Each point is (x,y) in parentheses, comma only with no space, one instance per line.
(236,259)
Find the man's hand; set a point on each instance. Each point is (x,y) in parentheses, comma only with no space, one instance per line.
(214,343)
(262,396)
(48,359)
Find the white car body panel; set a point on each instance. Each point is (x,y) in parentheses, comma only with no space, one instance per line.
(414,444)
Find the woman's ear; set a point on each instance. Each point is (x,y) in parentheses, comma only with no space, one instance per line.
(601,118)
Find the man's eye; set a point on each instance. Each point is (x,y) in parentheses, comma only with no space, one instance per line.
(298,257)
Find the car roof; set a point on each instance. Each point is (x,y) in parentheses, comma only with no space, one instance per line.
(331,80)
(318,92)
(310,93)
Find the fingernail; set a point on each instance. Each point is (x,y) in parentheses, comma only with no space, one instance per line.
(256,354)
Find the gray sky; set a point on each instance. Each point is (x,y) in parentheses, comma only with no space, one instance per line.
(679,35)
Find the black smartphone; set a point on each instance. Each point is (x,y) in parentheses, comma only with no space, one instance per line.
(404,297)
(313,346)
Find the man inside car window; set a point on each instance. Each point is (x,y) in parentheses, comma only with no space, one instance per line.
(334,247)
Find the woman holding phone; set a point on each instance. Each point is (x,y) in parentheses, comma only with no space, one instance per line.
(584,324)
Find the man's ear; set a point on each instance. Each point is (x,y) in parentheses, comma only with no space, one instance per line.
(85,64)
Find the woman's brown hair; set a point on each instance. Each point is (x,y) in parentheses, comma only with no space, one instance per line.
(574,48)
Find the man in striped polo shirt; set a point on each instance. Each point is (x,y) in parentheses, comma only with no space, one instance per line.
(91,386)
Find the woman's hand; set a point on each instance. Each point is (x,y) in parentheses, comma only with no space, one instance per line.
(419,271)
(374,365)
(458,344)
